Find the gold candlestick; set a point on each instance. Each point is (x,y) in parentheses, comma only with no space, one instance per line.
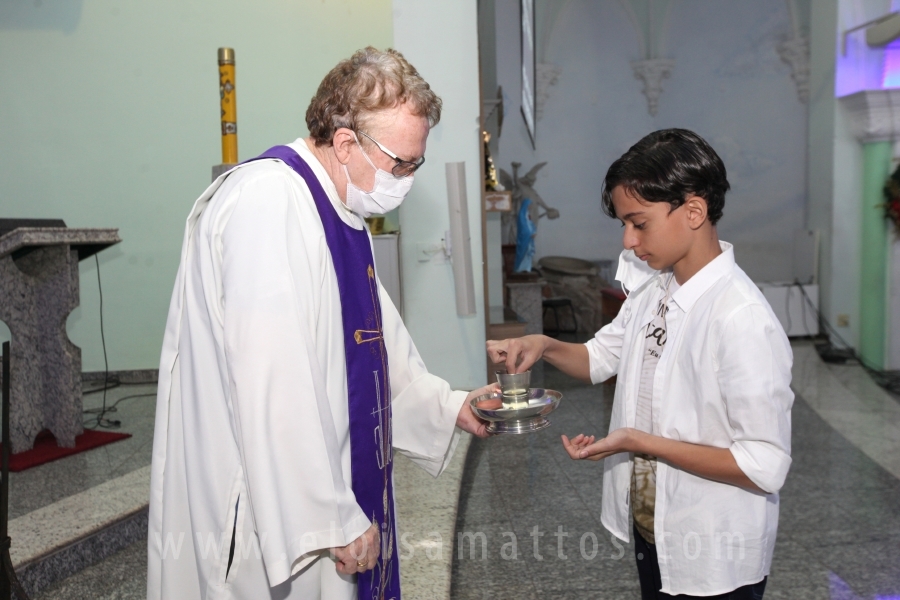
(229,106)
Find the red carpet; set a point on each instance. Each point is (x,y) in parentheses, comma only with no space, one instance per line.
(46,450)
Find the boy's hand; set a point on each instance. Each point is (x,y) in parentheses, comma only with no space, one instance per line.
(581,446)
(519,354)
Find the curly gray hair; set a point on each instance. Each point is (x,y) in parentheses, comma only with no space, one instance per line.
(359,87)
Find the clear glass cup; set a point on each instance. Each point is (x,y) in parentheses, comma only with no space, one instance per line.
(514,385)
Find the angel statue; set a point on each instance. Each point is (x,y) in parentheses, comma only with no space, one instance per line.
(527,207)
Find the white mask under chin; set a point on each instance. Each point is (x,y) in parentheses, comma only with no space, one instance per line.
(632,271)
(386,195)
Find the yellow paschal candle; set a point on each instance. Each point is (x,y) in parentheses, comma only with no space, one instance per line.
(229,106)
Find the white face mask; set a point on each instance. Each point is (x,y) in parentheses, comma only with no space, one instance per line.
(386,195)
(632,271)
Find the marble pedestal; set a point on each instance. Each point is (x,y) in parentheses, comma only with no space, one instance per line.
(38,290)
(525,299)
(219,169)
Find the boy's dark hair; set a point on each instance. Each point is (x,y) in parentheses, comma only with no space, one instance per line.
(666,166)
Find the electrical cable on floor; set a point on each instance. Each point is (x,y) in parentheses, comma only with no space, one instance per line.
(888,379)
(113,384)
(101,420)
(113,408)
(108,383)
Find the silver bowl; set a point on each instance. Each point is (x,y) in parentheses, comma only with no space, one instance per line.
(519,418)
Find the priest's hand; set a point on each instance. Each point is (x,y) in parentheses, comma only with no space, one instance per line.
(466,419)
(359,555)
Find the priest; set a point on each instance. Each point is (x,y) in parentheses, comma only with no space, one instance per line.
(287,379)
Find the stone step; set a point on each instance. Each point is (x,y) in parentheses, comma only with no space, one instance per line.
(60,539)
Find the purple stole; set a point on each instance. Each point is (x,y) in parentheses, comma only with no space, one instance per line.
(368,383)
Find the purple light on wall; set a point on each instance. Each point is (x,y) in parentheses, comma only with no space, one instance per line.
(891,73)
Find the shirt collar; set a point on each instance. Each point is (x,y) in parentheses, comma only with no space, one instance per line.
(688,294)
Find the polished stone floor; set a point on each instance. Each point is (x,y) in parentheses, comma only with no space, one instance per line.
(41,486)
(839,534)
(839,537)
(122,576)
(56,489)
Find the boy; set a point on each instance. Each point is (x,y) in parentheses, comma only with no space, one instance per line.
(699,436)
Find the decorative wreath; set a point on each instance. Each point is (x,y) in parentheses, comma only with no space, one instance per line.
(892,199)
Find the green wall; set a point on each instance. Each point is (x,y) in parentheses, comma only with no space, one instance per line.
(451,346)
(109,113)
(874,252)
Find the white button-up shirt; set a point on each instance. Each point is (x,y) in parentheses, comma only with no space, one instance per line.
(723,380)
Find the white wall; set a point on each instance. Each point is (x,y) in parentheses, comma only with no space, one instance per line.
(728,84)
(440,39)
(822,115)
(835,156)
(110,117)
(487,54)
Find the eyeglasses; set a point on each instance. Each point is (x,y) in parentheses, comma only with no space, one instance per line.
(403,168)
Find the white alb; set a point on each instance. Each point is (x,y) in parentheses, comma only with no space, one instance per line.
(252,426)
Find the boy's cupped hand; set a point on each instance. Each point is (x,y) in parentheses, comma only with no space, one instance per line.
(588,447)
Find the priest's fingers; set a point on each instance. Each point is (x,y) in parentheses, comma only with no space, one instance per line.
(484,390)
(348,564)
(344,563)
(361,554)
(466,419)
(365,545)
(371,544)
(373,560)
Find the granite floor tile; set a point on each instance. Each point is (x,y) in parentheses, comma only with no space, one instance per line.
(52,527)
(814,479)
(838,534)
(426,516)
(43,485)
(610,568)
(852,404)
(795,568)
(501,578)
(492,591)
(809,513)
(594,594)
(833,535)
(797,593)
(869,569)
(122,576)
(838,530)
